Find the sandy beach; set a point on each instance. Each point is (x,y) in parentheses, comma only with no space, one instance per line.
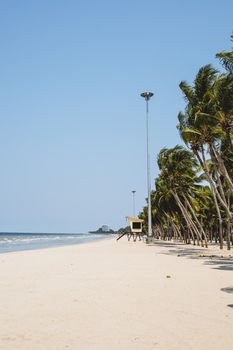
(116,295)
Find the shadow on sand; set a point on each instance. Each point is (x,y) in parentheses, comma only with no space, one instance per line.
(224,264)
(230,291)
(197,252)
(227,290)
(216,262)
(179,249)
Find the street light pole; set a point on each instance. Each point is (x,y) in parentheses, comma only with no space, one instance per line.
(147,96)
(133,203)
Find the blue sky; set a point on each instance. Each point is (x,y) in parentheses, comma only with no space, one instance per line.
(72,132)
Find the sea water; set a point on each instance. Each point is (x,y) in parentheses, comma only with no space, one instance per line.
(10,242)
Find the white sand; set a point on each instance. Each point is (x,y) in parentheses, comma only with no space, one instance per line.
(115,295)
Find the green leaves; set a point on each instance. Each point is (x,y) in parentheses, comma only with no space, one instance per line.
(204,81)
(190,135)
(226,58)
(206,127)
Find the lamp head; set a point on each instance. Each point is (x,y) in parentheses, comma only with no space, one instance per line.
(147,95)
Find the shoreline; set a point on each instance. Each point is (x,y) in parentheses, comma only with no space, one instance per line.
(118,295)
(47,245)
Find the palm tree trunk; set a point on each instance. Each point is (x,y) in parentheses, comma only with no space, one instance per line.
(211,234)
(220,186)
(231,236)
(193,229)
(160,231)
(186,210)
(197,221)
(216,204)
(177,230)
(228,233)
(186,236)
(193,225)
(212,184)
(222,167)
(185,218)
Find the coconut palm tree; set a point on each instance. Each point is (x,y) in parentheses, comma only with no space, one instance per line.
(208,118)
(226,58)
(206,127)
(179,173)
(183,205)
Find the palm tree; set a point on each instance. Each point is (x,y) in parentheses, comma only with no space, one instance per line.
(183,206)
(179,173)
(207,121)
(226,58)
(208,118)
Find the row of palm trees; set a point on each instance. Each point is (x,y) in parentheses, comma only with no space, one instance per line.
(193,197)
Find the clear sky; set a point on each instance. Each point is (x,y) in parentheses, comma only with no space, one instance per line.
(72,131)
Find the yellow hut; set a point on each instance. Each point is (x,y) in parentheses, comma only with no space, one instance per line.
(135,225)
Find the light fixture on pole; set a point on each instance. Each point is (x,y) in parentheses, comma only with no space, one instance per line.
(133,202)
(147,96)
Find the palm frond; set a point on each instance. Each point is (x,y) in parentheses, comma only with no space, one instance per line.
(204,80)
(226,59)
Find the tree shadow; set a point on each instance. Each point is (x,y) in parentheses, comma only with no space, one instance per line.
(224,264)
(179,246)
(195,252)
(227,290)
(165,244)
(192,253)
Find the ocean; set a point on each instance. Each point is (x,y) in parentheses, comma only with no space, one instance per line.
(11,242)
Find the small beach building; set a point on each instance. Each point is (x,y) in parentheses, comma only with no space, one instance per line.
(135,224)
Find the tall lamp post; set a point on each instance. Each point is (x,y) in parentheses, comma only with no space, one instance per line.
(147,96)
(133,203)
